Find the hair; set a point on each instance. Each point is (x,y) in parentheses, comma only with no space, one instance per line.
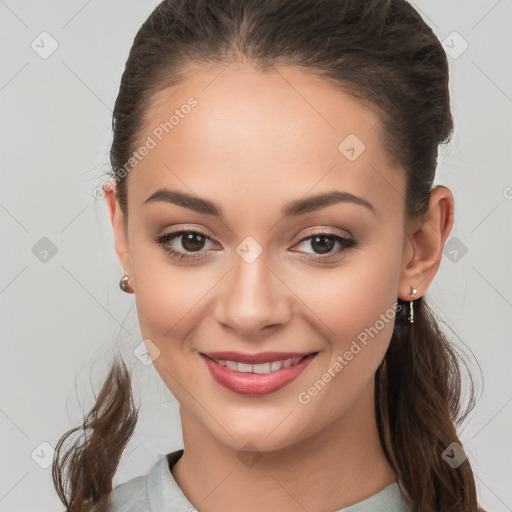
(384,54)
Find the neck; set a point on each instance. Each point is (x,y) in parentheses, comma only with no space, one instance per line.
(336,467)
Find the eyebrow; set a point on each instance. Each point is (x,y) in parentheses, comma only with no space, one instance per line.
(291,209)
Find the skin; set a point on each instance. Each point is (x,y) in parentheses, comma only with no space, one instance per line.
(255,141)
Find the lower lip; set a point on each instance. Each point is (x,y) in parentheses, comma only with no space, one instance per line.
(256,384)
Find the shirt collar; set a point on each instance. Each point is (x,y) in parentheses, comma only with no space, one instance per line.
(163,491)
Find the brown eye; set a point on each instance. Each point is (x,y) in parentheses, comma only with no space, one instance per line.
(191,241)
(323,243)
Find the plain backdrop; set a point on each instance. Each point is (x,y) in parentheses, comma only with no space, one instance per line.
(62,312)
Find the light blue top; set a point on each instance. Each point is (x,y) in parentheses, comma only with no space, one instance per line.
(158,492)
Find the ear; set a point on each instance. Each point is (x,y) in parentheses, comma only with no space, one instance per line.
(119,224)
(423,248)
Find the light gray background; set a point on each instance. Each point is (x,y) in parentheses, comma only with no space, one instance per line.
(61,317)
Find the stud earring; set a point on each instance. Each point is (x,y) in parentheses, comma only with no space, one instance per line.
(411,307)
(124,285)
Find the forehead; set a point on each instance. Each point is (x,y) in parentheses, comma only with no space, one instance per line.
(271,135)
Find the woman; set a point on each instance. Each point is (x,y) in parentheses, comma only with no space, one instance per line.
(273,207)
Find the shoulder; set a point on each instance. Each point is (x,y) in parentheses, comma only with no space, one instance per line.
(130,496)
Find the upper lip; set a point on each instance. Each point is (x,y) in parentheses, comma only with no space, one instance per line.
(262,357)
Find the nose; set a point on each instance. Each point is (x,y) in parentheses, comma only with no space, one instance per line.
(254,300)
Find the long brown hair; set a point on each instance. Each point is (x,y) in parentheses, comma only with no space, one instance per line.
(382,52)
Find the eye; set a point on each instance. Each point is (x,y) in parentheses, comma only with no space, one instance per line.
(190,241)
(193,242)
(324,242)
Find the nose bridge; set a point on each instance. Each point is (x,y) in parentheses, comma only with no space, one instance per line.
(253,296)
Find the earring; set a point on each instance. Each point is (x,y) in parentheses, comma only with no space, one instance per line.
(124,285)
(411,307)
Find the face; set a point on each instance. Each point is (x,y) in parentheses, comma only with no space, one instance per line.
(257,275)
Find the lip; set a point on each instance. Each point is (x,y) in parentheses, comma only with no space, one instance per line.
(255,384)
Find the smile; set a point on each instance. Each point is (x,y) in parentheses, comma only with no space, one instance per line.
(260,368)
(259,374)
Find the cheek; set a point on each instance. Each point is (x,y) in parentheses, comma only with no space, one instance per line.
(165,296)
(362,327)
(165,293)
(356,305)
(165,301)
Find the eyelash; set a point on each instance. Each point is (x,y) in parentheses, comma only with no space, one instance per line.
(164,239)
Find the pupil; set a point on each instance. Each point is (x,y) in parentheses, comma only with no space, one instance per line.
(325,247)
(192,242)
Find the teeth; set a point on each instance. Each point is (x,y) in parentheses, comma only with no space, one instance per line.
(232,365)
(261,368)
(275,365)
(246,368)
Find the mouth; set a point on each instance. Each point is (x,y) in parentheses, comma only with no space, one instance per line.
(269,364)
(259,374)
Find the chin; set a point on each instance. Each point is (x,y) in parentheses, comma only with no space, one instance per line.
(257,434)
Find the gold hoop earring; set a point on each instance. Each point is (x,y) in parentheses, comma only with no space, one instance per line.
(124,285)
(411,307)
